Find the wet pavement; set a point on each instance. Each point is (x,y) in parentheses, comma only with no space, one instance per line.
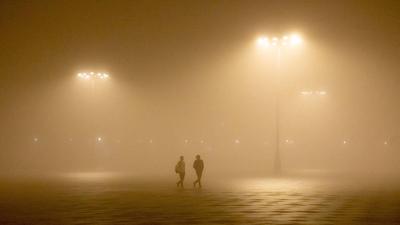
(246,201)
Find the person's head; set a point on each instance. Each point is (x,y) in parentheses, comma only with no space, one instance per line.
(181,158)
(197,156)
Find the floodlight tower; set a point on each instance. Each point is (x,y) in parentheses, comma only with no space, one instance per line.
(94,77)
(278,44)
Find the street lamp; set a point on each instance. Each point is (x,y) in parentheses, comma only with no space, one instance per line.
(93,78)
(286,41)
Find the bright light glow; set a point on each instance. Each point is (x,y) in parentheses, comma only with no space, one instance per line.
(286,40)
(345,142)
(287,141)
(385,143)
(93,75)
(237,141)
(295,39)
(306,92)
(263,42)
(319,93)
(36,139)
(99,139)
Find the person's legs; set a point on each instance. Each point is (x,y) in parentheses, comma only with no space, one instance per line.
(179,183)
(182,178)
(198,173)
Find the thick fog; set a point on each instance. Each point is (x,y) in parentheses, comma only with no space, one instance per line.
(187,78)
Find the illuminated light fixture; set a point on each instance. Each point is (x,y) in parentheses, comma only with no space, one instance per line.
(319,93)
(99,139)
(295,39)
(263,42)
(289,141)
(286,40)
(306,92)
(93,75)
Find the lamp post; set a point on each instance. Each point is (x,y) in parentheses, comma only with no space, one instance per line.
(94,77)
(278,44)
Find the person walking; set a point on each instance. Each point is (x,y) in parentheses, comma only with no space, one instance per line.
(198,166)
(180,169)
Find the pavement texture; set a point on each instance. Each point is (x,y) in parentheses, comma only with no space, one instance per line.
(244,201)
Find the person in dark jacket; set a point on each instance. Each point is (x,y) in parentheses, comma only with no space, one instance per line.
(180,169)
(198,166)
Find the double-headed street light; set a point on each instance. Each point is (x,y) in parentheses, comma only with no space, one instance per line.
(278,43)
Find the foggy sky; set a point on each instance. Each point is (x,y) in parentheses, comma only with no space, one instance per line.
(187,70)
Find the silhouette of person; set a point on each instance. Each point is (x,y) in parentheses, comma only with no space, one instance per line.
(198,165)
(180,169)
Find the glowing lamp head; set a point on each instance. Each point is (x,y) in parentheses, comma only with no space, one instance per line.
(262,42)
(295,39)
(93,75)
(305,93)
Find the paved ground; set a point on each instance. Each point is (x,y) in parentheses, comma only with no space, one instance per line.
(252,201)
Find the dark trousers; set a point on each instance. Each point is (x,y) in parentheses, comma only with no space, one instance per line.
(181,179)
(199,173)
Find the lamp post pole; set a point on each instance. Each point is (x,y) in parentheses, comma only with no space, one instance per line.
(277,159)
(93,77)
(278,44)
